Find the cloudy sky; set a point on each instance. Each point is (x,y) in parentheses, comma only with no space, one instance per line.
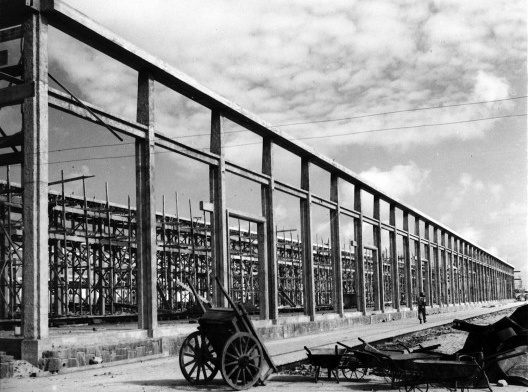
(425,99)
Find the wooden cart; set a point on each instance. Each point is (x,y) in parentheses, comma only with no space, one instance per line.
(226,340)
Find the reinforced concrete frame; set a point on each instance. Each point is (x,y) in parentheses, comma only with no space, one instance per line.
(61,254)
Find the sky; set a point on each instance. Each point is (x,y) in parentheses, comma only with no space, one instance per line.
(424,99)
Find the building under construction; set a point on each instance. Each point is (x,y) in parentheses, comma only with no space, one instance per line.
(72,258)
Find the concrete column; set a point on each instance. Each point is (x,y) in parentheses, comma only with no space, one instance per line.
(217,179)
(394,258)
(146,208)
(418,254)
(360,252)
(377,280)
(430,266)
(452,297)
(268,197)
(35,183)
(335,228)
(306,234)
(407,247)
(444,269)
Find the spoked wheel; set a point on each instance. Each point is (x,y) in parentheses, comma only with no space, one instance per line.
(354,373)
(198,360)
(241,361)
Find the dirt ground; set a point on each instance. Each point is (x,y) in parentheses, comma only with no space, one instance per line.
(164,374)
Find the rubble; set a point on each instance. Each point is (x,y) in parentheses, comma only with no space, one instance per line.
(503,344)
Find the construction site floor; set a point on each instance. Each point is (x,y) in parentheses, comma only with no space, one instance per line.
(163,373)
(286,351)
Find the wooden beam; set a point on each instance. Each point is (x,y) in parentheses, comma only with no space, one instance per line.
(15,95)
(11,140)
(12,13)
(11,34)
(15,70)
(12,158)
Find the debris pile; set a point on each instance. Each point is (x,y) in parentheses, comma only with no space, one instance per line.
(503,344)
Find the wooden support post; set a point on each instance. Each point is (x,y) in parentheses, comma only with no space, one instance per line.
(335,228)
(146,208)
(217,180)
(394,257)
(306,234)
(379,300)
(407,247)
(360,253)
(268,201)
(35,183)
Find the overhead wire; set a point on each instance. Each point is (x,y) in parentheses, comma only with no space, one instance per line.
(304,138)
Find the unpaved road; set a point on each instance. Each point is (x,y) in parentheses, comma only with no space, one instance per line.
(164,375)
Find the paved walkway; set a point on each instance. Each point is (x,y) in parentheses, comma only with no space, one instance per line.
(291,350)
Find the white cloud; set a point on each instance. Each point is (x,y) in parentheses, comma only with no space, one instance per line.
(297,61)
(399,181)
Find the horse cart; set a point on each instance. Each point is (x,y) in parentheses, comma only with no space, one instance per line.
(226,340)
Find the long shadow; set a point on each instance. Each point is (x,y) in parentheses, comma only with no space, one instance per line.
(183,385)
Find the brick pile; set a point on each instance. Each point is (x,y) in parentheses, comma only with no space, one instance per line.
(54,360)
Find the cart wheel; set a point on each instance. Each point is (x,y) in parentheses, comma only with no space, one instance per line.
(241,361)
(198,360)
(354,373)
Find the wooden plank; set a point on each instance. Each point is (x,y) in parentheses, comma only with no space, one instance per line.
(15,95)
(12,13)
(12,140)
(11,34)
(12,158)
(9,78)
(13,70)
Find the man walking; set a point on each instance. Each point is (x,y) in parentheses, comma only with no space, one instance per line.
(421,307)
